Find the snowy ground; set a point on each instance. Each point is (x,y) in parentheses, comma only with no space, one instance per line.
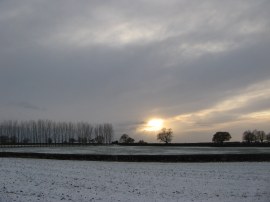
(53,180)
(140,150)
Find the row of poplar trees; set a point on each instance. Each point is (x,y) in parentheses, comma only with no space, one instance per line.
(51,132)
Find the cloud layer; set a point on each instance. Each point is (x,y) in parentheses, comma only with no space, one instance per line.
(201,66)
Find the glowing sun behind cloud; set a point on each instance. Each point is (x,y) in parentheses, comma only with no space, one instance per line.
(154,125)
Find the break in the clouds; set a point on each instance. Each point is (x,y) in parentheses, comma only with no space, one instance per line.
(202,66)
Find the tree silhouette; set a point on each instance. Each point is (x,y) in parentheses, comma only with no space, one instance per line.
(268,137)
(249,136)
(142,142)
(48,132)
(260,136)
(126,139)
(165,135)
(220,137)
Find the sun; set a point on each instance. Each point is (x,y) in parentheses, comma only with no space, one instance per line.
(154,125)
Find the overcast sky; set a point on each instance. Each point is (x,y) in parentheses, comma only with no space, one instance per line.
(202,66)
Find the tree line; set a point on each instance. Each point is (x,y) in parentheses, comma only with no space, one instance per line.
(165,135)
(255,136)
(51,132)
(248,136)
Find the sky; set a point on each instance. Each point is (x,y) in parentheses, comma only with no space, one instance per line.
(200,66)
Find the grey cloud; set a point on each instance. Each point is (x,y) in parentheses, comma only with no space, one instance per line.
(120,62)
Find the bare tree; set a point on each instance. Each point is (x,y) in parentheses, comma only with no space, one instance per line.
(46,131)
(249,136)
(165,135)
(89,132)
(142,142)
(268,137)
(260,136)
(96,133)
(126,139)
(108,133)
(123,138)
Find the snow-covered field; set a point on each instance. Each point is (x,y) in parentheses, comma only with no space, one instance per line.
(140,150)
(53,180)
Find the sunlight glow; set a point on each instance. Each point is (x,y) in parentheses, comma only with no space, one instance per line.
(154,125)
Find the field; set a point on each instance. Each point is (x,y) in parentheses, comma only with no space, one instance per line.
(140,150)
(34,180)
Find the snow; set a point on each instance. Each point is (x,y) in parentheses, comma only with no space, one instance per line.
(34,180)
(140,150)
